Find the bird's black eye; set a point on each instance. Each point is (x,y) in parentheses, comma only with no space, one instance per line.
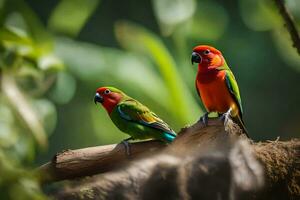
(206,52)
(107,91)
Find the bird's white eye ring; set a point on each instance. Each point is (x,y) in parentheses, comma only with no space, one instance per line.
(206,52)
(107,91)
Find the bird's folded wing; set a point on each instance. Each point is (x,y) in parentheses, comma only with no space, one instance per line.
(233,88)
(134,111)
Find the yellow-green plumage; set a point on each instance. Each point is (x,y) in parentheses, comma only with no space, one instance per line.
(138,121)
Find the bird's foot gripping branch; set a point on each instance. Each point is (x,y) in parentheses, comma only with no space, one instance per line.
(203,162)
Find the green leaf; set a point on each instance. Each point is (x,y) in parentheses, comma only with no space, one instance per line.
(140,40)
(171,13)
(28,70)
(50,62)
(36,29)
(8,134)
(106,66)
(16,20)
(16,40)
(31,39)
(11,37)
(84,60)
(70,16)
(23,108)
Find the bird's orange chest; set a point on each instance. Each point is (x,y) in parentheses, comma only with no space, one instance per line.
(213,91)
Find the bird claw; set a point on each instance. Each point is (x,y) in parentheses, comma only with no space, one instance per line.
(225,116)
(127,146)
(204,119)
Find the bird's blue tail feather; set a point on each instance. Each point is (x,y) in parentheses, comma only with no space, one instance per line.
(169,137)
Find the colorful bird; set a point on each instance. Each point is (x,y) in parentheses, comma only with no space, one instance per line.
(132,117)
(216,85)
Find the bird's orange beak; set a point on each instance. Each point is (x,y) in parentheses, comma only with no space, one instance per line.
(196,58)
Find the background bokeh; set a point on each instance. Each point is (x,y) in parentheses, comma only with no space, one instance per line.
(54,54)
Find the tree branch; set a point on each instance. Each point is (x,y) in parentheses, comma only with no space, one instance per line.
(209,162)
(290,24)
(72,164)
(202,163)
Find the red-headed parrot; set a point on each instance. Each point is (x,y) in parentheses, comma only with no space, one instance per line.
(216,85)
(132,117)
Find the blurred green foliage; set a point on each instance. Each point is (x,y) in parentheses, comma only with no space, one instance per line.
(54,54)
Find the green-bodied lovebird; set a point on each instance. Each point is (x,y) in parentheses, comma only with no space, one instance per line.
(132,117)
(216,85)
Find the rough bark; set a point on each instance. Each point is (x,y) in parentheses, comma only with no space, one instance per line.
(77,163)
(202,163)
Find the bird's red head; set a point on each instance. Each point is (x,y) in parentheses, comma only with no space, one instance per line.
(109,97)
(208,57)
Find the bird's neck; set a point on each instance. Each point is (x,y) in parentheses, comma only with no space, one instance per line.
(208,75)
(110,104)
(207,69)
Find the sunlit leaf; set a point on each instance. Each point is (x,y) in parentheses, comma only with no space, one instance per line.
(29,70)
(14,35)
(35,27)
(16,20)
(50,62)
(27,21)
(16,40)
(173,12)
(8,135)
(135,76)
(23,108)
(70,16)
(94,68)
(85,60)
(142,41)
(16,44)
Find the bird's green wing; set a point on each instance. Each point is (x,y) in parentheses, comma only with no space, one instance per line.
(233,88)
(136,112)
